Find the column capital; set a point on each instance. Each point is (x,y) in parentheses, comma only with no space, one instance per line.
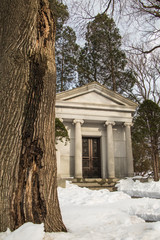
(128,124)
(78,121)
(109,123)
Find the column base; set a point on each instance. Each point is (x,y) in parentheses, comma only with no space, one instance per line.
(130,175)
(111,177)
(61,182)
(78,177)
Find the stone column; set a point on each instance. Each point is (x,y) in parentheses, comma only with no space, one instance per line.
(129,154)
(103,158)
(78,148)
(110,150)
(58,156)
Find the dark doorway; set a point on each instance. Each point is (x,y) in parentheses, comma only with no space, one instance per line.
(91,157)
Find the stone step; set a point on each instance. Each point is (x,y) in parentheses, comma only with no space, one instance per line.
(97,184)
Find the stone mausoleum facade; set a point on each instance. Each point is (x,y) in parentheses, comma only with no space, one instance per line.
(99,123)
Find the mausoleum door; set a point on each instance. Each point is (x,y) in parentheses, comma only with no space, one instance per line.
(91,157)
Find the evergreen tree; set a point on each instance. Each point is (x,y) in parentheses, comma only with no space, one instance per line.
(66,58)
(146,134)
(60,11)
(65,47)
(102,59)
(61,132)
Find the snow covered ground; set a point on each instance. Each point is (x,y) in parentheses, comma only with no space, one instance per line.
(102,215)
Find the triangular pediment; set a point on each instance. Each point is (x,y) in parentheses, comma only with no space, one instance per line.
(92,97)
(94,94)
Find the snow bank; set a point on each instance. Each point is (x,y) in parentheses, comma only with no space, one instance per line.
(147,209)
(75,195)
(27,231)
(138,189)
(90,214)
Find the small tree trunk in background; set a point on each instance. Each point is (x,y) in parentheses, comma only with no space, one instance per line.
(113,76)
(62,72)
(156,166)
(28,171)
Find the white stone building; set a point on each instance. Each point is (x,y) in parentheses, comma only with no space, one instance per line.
(98,122)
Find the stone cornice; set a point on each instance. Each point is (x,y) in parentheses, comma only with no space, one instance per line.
(97,107)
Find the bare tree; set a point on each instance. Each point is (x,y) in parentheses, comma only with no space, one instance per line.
(145,13)
(28,185)
(83,11)
(147,74)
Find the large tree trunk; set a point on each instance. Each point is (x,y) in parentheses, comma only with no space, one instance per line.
(27,152)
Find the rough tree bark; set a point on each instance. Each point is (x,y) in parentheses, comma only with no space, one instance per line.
(27,153)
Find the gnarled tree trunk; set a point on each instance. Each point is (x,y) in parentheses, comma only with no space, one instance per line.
(27,152)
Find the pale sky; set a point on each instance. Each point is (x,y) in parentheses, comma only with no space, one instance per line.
(129,29)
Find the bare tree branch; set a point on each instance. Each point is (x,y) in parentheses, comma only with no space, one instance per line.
(152,49)
(147,72)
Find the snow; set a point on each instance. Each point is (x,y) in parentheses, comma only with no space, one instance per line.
(100,214)
(27,231)
(139,189)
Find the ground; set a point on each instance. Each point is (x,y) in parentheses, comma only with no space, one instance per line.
(90,214)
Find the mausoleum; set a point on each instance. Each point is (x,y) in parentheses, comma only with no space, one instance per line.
(99,123)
